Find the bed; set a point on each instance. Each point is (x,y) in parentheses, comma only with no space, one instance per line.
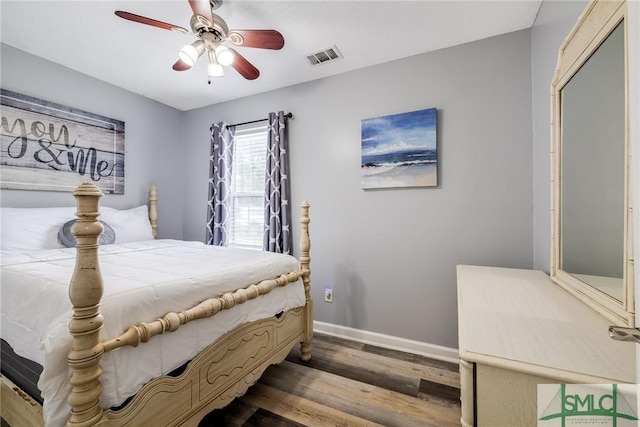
(144,332)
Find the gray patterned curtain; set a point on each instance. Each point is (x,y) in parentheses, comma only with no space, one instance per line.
(277,211)
(220,166)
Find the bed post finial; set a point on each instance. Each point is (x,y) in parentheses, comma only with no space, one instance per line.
(153,210)
(305,261)
(85,292)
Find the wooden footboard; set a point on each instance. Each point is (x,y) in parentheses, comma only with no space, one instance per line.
(221,372)
(18,408)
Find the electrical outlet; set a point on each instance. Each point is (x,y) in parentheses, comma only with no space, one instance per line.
(328,294)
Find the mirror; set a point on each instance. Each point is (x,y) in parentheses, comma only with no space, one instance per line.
(591,219)
(592,167)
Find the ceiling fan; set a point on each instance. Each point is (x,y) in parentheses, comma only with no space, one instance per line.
(212,32)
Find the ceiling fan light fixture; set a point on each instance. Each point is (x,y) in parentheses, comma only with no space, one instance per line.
(214,69)
(224,55)
(190,53)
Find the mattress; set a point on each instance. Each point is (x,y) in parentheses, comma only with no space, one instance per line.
(142,281)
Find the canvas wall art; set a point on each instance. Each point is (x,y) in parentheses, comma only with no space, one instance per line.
(51,147)
(400,150)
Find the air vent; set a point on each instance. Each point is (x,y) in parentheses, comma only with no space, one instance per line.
(327,55)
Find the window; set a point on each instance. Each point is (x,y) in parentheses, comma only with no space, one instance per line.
(247,188)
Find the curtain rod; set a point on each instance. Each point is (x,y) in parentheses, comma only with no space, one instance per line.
(288,116)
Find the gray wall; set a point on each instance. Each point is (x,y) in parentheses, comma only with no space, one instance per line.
(553,23)
(153,135)
(390,255)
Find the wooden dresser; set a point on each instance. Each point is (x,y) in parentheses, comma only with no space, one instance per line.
(517,329)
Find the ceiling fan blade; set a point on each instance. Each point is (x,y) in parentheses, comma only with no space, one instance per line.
(180,65)
(143,20)
(263,39)
(202,11)
(244,67)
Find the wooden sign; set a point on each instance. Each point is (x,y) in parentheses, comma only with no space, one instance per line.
(47,146)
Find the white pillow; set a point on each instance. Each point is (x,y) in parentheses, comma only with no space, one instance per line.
(36,229)
(32,229)
(130,225)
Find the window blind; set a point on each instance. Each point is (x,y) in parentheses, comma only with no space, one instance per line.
(247,188)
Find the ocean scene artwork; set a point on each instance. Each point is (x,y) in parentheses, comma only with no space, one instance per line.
(400,150)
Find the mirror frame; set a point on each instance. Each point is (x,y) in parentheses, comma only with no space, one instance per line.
(595,24)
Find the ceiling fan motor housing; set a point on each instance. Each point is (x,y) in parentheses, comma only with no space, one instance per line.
(218,27)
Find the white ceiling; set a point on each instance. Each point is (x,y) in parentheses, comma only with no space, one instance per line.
(88,37)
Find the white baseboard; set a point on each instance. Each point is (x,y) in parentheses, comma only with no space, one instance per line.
(388,341)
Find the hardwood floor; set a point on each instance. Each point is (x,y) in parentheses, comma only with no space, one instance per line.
(347,383)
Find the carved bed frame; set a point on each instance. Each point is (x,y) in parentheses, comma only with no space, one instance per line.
(221,372)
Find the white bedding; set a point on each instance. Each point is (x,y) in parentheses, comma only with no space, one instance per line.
(161,276)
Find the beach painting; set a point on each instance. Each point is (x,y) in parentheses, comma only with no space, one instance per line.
(400,150)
